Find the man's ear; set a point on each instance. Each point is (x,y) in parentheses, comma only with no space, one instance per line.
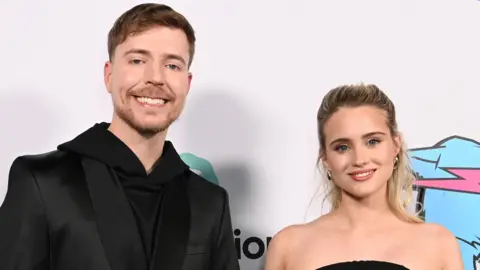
(107,74)
(190,76)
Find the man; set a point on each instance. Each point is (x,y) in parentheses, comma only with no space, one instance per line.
(118,196)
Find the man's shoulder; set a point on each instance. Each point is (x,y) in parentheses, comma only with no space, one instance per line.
(199,184)
(202,190)
(46,161)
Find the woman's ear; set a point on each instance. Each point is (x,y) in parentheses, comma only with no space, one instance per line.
(323,161)
(397,141)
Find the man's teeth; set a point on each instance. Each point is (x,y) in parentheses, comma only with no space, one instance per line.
(151,100)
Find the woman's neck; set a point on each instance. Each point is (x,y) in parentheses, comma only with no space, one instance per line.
(366,213)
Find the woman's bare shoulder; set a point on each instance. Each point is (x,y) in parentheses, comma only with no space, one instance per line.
(435,232)
(288,240)
(443,242)
(293,234)
(288,236)
(281,245)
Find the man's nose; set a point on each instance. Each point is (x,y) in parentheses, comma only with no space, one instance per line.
(155,75)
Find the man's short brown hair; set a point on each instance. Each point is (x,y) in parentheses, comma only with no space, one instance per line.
(144,17)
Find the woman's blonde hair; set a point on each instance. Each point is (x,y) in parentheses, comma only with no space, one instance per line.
(402,176)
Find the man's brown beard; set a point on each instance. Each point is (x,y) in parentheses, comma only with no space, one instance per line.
(146,132)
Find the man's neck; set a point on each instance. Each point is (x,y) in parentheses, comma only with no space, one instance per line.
(148,150)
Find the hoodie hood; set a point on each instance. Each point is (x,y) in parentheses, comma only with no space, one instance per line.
(102,145)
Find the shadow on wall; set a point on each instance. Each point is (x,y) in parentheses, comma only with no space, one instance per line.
(28,124)
(222,127)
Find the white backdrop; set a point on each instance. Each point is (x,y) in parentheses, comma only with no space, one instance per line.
(260,72)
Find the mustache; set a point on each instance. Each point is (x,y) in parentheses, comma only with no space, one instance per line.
(153,92)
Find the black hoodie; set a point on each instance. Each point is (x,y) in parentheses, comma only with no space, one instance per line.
(144,191)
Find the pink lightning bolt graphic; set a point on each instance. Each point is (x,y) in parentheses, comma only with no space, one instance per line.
(468,181)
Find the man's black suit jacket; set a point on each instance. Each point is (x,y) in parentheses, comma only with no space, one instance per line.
(59,214)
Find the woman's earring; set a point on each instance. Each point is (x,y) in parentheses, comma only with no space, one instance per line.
(395,163)
(329,176)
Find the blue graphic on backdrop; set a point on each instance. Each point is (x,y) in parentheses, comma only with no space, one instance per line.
(448,180)
(200,166)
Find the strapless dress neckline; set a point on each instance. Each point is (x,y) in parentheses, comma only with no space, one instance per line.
(358,265)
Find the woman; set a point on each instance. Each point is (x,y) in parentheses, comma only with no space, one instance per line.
(367,169)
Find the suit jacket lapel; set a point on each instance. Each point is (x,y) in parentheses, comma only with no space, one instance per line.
(116,223)
(173,227)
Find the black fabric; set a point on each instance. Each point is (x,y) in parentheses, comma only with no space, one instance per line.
(65,210)
(115,222)
(143,190)
(367,265)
